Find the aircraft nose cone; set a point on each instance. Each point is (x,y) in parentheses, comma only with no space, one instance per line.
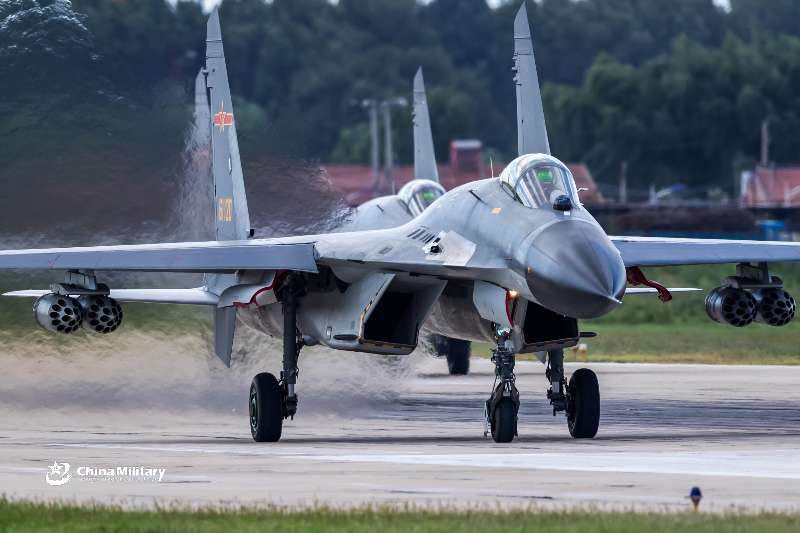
(575,270)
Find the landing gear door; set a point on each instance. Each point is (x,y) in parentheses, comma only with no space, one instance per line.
(492,303)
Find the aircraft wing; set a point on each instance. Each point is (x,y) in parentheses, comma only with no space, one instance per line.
(376,249)
(202,257)
(368,249)
(662,251)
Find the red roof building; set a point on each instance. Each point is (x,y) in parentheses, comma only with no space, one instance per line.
(771,186)
(357,183)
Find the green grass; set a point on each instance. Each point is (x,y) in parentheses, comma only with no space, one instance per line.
(703,342)
(22,517)
(692,343)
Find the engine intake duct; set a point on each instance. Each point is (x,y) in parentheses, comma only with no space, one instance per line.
(775,307)
(728,305)
(58,314)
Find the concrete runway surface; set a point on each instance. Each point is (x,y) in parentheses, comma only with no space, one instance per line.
(369,431)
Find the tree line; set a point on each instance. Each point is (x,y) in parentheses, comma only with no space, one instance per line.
(676,92)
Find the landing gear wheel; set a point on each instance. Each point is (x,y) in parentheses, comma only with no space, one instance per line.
(266,408)
(504,421)
(458,353)
(583,404)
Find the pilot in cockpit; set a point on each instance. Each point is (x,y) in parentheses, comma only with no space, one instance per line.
(418,195)
(540,181)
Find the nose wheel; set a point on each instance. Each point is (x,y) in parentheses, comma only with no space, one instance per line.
(504,421)
(503,404)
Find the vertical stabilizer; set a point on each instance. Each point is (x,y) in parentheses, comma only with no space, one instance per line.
(232,218)
(531,127)
(201,106)
(424,156)
(231,215)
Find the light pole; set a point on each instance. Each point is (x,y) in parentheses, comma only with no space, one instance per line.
(388,162)
(374,155)
(373,105)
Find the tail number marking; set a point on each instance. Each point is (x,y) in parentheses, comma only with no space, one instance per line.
(225,211)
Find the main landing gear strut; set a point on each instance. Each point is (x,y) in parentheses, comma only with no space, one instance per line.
(273,400)
(580,398)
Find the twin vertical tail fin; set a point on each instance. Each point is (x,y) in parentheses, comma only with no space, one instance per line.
(424,154)
(531,127)
(231,216)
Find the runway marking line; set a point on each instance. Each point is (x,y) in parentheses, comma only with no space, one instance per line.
(780,464)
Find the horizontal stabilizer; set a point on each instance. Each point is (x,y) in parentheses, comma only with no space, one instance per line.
(157,296)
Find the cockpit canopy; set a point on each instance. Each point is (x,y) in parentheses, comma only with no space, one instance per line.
(540,180)
(418,195)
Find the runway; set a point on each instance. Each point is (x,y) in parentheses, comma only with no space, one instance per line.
(385,434)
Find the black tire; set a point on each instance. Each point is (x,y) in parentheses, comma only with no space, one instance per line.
(504,422)
(457,354)
(266,408)
(583,404)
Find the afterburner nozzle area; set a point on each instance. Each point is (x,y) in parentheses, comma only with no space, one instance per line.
(574,269)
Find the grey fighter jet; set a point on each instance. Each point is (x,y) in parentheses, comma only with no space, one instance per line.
(415,196)
(515,260)
(410,201)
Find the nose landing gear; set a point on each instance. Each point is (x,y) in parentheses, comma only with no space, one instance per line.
(503,404)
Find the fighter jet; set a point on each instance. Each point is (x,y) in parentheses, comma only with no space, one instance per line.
(515,260)
(418,194)
(410,201)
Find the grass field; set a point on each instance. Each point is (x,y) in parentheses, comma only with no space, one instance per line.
(685,343)
(23,517)
(693,343)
